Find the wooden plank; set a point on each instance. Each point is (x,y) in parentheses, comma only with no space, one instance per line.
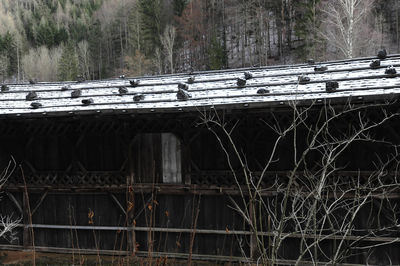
(146,156)
(171,158)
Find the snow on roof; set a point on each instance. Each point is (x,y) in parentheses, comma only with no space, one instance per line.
(265,86)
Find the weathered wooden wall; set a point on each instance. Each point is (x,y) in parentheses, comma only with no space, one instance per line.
(165,176)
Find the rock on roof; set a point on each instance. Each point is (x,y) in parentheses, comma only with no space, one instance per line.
(356,78)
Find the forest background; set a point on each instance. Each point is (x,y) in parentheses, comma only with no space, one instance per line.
(49,40)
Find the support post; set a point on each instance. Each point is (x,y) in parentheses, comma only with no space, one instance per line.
(186,160)
(27,240)
(130,203)
(131,234)
(253,237)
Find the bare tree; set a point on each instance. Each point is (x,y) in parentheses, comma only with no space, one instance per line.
(347,27)
(41,63)
(315,203)
(84,59)
(158,60)
(168,40)
(137,64)
(7,223)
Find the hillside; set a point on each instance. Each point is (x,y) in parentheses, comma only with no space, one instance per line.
(51,40)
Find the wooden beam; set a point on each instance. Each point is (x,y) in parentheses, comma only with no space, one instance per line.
(126,253)
(39,202)
(124,165)
(120,176)
(214,232)
(116,201)
(194,165)
(175,189)
(200,257)
(15,201)
(30,166)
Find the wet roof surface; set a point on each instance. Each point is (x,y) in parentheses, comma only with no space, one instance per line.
(265,86)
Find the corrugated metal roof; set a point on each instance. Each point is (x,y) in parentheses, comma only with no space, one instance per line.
(218,89)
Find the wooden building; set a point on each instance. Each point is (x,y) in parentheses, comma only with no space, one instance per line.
(129,166)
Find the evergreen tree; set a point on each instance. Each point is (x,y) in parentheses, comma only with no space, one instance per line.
(4,65)
(151,24)
(68,64)
(307,25)
(179,6)
(217,53)
(9,52)
(96,50)
(255,32)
